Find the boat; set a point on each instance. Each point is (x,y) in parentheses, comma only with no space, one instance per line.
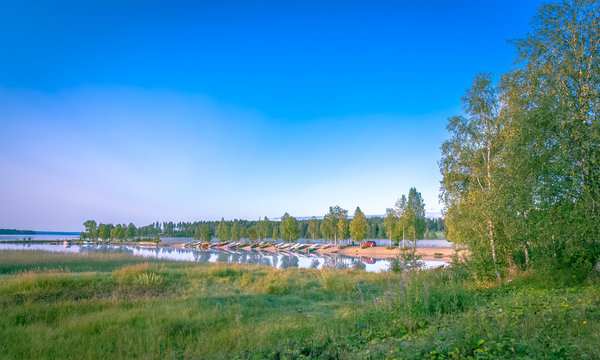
(313,247)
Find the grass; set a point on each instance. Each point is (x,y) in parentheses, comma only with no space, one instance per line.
(115,306)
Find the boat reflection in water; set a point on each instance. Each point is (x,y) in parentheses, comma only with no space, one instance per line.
(212,255)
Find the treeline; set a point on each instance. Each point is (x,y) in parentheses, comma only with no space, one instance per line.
(521,172)
(16,232)
(336,226)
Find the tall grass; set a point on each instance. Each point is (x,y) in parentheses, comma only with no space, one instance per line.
(112,306)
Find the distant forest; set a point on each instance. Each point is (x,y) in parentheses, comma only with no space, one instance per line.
(258,229)
(16,232)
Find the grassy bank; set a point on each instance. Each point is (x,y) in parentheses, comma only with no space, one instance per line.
(115,306)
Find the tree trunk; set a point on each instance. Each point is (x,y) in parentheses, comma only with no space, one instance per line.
(526,255)
(403,239)
(493,245)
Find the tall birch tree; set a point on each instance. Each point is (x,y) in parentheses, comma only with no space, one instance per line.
(472,175)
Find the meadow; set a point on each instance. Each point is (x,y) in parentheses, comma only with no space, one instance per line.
(98,306)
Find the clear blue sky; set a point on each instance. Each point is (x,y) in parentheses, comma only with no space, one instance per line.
(141,111)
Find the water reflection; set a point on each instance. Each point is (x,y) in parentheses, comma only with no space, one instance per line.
(257,257)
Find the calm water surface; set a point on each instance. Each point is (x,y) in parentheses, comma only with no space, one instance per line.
(278,260)
(39,237)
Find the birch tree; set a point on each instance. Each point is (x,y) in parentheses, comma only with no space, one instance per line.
(472,170)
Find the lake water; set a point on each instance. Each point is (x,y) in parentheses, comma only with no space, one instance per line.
(278,260)
(39,237)
(71,236)
(378,242)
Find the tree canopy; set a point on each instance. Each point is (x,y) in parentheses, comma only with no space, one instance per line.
(358,226)
(521,172)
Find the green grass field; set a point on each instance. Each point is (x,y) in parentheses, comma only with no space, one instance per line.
(56,306)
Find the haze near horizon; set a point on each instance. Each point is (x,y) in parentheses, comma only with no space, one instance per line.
(141,112)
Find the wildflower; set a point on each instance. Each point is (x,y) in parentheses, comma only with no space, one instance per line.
(584,322)
(500,310)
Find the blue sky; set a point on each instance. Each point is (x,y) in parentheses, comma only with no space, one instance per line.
(144,110)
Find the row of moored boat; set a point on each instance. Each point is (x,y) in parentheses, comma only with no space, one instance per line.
(258,245)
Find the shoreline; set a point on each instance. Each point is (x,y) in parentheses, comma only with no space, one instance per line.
(378,252)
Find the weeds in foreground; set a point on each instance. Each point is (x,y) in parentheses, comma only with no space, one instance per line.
(126,308)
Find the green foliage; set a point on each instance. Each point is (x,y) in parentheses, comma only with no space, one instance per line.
(289,228)
(407,259)
(131,229)
(263,228)
(90,228)
(103,305)
(223,232)
(552,150)
(391,225)
(473,176)
(235,231)
(205,232)
(335,224)
(252,234)
(521,171)
(307,229)
(313,228)
(358,226)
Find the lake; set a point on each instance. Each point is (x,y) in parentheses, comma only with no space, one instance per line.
(39,237)
(277,260)
(72,236)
